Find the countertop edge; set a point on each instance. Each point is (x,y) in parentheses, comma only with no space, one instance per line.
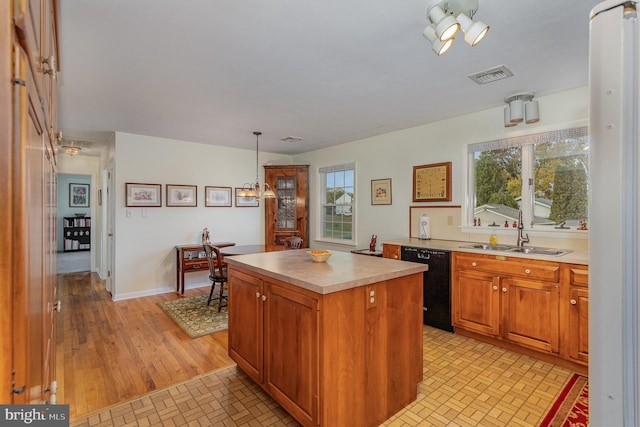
(408,269)
(574,257)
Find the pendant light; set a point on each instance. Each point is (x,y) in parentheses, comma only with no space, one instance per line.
(521,108)
(255,190)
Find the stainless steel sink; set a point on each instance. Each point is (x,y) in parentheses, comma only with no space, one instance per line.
(486,247)
(540,251)
(523,249)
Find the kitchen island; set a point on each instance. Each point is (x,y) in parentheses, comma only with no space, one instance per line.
(336,343)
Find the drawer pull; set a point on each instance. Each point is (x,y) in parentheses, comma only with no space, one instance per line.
(473,264)
(527,271)
(264,297)
(504,289)
(573,302)
(495,288)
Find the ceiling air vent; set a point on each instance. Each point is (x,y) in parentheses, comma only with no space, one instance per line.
(491,75)
(291,139)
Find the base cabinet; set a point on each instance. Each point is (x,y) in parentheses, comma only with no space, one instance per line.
(344,358)
(537,305)
(578,314)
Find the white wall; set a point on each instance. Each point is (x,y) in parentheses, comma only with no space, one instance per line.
(393,155)
(144,247)
(145,258)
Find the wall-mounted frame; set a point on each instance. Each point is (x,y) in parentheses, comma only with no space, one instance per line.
(246,202)
(182,195)
(143,195)
(217,196)
(381,191)
(432,183)
(78,195)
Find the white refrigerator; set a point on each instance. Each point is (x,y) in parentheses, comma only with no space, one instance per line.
(614,287)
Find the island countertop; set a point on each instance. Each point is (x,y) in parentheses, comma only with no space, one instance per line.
(342,271)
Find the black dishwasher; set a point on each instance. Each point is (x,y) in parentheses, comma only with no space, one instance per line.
(436,284)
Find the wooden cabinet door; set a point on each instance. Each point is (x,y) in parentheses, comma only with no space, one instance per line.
(390,251)
(579,324)
(288,214)
(531,313)
(476,302)
(245,323)
(291,348)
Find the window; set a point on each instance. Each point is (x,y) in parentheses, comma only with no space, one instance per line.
(337,203)
(545,175)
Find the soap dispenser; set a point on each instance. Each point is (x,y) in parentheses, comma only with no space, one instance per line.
(493,239)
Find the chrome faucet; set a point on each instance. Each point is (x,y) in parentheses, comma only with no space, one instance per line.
(522,239)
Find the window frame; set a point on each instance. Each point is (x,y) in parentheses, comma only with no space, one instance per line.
(322,191)
(527,143)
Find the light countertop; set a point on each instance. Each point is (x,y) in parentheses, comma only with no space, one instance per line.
(342,271)
(573,257)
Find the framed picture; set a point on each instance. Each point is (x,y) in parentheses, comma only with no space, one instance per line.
(432,183)
(79,195)
(246,202)
(381,191)
(217,196)
(143,195)
(182,195)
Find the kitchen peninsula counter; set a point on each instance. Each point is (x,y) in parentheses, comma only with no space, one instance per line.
(335,343)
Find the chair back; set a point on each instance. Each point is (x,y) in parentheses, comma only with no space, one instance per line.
(294,242)
(215,261)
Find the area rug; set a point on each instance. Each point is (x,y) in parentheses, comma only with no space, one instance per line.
(194,316)
(571,408)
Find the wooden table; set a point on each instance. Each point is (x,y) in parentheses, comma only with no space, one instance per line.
(191,259)
(242,250)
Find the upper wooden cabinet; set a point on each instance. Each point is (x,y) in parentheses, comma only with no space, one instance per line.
(288,214)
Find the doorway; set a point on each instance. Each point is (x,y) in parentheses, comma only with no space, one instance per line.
(74,223)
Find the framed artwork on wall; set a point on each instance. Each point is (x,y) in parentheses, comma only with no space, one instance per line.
(432,183)
(79,195)
(217,196)
(381,191)
(143,195)
(246,202)
(182,195)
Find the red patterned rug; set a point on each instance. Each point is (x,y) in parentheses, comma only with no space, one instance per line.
(571,408)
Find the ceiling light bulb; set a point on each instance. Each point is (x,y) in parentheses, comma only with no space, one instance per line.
(507,118)
(446,26)
(516,111)
(531,112)
(439,47)
(474,31)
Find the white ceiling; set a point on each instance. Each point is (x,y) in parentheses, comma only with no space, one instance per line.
(327,71)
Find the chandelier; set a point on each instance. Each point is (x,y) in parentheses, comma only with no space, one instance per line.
(255,190)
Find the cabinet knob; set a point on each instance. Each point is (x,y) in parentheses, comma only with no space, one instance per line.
(504,289)
(395,256)
(527,271)
(257,294)
(573,302)
(473,264)
(495,288)
(264,297)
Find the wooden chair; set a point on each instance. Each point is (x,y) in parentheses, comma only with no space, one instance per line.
(294,242)
(217,273)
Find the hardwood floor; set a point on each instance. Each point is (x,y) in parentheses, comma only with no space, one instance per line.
(108,352)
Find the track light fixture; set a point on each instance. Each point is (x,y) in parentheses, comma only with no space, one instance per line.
(443,26)
(521,108)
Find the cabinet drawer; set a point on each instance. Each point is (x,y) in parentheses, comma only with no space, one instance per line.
(528,269)
(196,265)
(579,276)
